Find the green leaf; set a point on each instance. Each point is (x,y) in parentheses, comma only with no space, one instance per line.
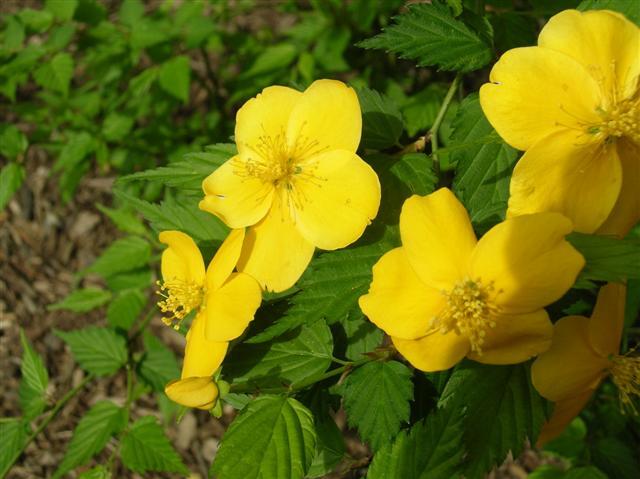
(272,437)
(34,381)
(98,472)
(381,120)
(131,11)
(36,20)
(546,472)
(136,279)
(82,300)
(614,456)
(124,219)
(146,448)
(76,149)
(430,34)
(13,142)
(590,472)
(125,254)
(420,110)
(175,77)
(432,449)
(13,431)
(285,361)
(629,8)
(11,177)
(125,309)
(359,334)
(376,400)
(62,9)
(330,447)
(56,74)
(271,59)
(608,259)
(13,34)
(98,350)
(503,410)
(116,126)
(102,421)
(484,165)
(158,365)
(181,216)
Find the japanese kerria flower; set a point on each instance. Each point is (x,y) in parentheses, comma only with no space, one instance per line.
(224,303)
(583,352)
(296,181)
(573,103)
(444,295)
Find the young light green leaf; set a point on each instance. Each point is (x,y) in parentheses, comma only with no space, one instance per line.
(158,365)
(116,126)
(431,449)
(376,400)
(381,120)
(82,300)
(125,254)
(483,168)
(34,381)
(13,431)
(175,77)
(102,421)
(125,308)
(146,448)
(272,58)
(56,74)
(98,350)
(285,361)
(272,437)
(629,8)
(503,411)
(430,34)
(11,177)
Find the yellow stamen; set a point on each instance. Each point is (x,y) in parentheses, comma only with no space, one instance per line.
(180,298)
(625,371)
(469,312)
(622,120)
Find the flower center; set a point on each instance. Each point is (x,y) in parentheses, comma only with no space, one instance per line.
(625,371)
(469,312)
(621,120)
(179,299)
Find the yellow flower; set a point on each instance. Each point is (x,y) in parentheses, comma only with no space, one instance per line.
(444,295)
(573,103)
(224,303)
(296,181)
(583,352)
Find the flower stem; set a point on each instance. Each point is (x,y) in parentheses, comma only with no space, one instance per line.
(433,132)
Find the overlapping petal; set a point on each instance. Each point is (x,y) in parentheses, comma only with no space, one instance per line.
(201,356)
(198,392)
(564,411)
(434,352)
(225,260)
(398,302)
(182,259)
(336,195)
(607,319)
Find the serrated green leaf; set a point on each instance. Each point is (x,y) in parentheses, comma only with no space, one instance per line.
(629,8)
(122,255)
(483,168)
(34,381)
(503,411)
(62,9)
(608,259)
(330,447)
(98,350)
(431,449)
(98,472)
(430,34)
(273,437)
(56,74)
(13,432)
(285,361)
(158,365)
(124,219)
(102,421)
(125,309)
(146,448)
(376,400)
(82,300)
(175,77)
(381,120)
(360,335)
(11,178)
(136,279)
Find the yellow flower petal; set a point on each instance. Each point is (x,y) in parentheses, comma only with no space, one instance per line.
(581,181)
(606,43)
(201,357)
(564,411)
(336,195)
(266,115)
(326,118)
(528,262)
(437,237)
(230,309)
(607,319)
(274,252)
(398,302)
(515,338)
(193,392)
(235,197)
(626,212)
(182,259)
(570,367)
(537,91)
(434,352)
(225,259)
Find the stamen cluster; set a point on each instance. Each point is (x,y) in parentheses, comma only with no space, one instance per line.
(626,376)
(180,298)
